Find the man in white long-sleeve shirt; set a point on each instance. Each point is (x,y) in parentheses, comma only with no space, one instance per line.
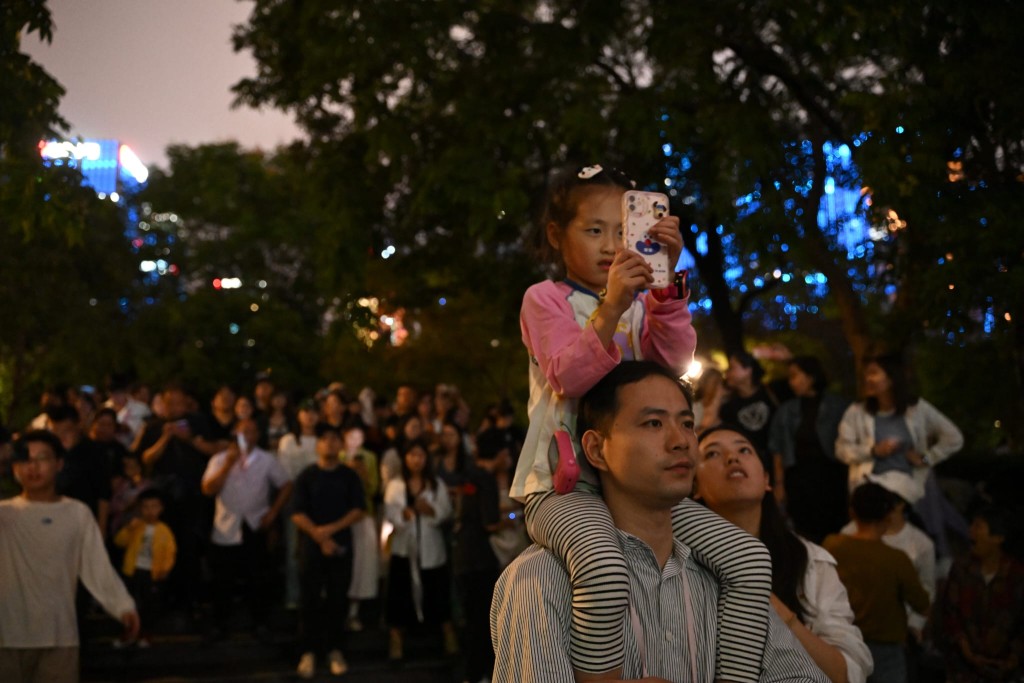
(48,543)
(636,430)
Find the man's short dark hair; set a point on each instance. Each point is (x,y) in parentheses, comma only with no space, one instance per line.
(998,520)
(37,436)
(748,361)
(324,428)
(63,414)
(150,493)
(600,404)
(108,411)
(871,503)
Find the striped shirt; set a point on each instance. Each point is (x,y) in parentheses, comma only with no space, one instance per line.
(532,611)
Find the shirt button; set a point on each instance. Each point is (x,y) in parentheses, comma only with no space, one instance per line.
(670,637)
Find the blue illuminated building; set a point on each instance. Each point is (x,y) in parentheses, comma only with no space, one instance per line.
(112,169)
(109,167)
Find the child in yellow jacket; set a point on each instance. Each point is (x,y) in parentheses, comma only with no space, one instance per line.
(148,558)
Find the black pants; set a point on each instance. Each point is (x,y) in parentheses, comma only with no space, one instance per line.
(148,598)
(324,583)
(242,569)
(190,520)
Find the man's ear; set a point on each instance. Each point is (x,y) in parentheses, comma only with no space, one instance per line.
(593,444)
(553,232)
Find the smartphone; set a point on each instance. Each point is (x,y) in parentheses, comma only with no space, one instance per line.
(242,445)
(640,211)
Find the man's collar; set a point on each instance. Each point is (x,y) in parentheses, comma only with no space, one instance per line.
(637,547)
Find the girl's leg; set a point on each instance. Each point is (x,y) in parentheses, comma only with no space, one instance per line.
(744,570)
(578,528)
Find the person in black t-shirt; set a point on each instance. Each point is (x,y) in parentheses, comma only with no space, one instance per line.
(328,499)
(86,472)
(475,565)
(750,404)
(174,453)
(503,434)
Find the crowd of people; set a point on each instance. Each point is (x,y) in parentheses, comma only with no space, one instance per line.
(323,504)
(753,531)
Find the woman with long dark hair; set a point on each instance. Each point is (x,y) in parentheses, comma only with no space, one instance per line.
(806,591)
(809,481)
(419,590)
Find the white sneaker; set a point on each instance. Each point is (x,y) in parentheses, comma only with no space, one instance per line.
(307,666)
(338,663)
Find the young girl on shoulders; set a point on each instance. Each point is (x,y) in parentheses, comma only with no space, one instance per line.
(577,328)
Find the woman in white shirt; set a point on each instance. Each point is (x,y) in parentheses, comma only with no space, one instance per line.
(419,589)
(806,591)
(892,429)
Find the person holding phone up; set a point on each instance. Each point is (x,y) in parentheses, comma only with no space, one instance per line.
(602,311)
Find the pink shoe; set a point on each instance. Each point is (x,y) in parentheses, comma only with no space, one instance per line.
(567,472)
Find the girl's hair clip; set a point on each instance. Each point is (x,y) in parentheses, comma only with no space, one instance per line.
(588,172)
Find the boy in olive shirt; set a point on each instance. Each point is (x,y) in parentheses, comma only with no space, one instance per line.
(880,581)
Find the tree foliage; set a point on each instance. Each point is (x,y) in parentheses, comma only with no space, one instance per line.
(461,109)
(64,264)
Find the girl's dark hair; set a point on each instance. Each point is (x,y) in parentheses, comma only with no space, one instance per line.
(309,405)
(811,366)
(400,442)
(429,480)
(562,199)
(896,371)
(461,455)
(789,555)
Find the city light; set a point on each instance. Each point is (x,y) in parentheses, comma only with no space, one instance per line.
(131,163)
(55,149)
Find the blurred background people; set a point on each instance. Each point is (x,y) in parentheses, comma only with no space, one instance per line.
(880,580)
(980,611)
(749,403)
(417,504)
(892,429)
(365,536)
(809,482)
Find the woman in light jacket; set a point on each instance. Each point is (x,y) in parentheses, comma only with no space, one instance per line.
(891,429)
(419,589)
(806,591)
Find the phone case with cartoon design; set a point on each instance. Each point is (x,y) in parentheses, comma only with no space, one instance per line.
(640,211)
